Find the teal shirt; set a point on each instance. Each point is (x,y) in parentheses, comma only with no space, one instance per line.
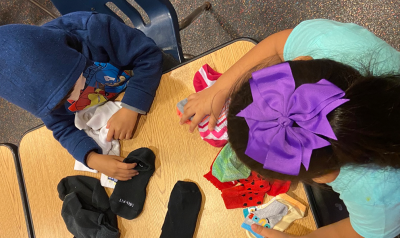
(372,195)
(372,198)
(347,43)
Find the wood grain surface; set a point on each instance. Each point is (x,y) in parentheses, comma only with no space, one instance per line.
(12,219)
(180,155)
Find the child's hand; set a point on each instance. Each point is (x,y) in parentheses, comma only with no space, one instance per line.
(111,166)
(209,101)
(269,233)
(121,124)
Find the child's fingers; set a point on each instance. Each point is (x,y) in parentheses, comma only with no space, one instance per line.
(269,233)
(127,174)
(126,166)
(260,230)
(110,134)
(116,134)
(131,173)
(122,178)
(187,114)
(129,135)
(212,122)
(195,121)
(122,135)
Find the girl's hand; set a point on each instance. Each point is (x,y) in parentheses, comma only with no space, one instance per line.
(209,101)
(111,166)
(269,233)
(121,124)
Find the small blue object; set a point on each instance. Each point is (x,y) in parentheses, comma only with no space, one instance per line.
(257,220)
(111,78)
(246,211)
(163,27)
(248,227)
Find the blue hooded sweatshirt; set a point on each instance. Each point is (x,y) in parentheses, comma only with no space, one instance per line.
(39,65)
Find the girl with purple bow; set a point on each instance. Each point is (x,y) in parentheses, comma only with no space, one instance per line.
(321,116)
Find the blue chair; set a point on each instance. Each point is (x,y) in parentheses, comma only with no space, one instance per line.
(163,27)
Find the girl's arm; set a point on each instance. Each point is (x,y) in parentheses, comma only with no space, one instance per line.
(340,229)
(211,100)
(102,38)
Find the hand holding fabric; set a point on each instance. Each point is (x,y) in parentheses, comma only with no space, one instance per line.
(111,166)
(122,124)
(210,101)
(269,233)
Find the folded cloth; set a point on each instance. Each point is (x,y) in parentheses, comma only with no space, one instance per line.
(278,187)
(93,121)
(203,79)
(295,210)
(227,167)
(86,208)
(268,216)
(246,192)
(218,184)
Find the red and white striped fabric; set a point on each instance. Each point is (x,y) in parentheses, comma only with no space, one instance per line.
(204,78)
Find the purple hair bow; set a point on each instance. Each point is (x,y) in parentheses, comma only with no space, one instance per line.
(273,141)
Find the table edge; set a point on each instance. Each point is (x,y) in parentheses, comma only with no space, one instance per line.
(22,188)
(212,50)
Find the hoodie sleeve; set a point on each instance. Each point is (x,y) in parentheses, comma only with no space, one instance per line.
(129,49)
(77,142)
(105,39)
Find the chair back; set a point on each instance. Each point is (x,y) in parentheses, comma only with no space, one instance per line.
(163,27)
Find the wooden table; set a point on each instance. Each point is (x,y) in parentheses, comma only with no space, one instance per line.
(180,156)
(12,219)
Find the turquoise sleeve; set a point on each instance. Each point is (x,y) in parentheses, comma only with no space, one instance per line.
(347,43)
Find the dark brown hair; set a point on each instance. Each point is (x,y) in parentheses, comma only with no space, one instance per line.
(367,127)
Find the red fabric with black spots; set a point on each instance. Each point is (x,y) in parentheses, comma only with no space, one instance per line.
(249,192)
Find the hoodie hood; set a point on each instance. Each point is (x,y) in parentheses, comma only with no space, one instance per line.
(39,66)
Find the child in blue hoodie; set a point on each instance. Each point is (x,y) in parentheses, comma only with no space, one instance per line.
(50,70)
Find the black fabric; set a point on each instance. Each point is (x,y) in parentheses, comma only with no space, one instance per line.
(183,208)
(169,62)
(86,209)
(128,197)
(325,204)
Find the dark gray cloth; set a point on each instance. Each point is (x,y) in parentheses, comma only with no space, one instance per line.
(169,62)
(128,197)
(183,209)
(86,209)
